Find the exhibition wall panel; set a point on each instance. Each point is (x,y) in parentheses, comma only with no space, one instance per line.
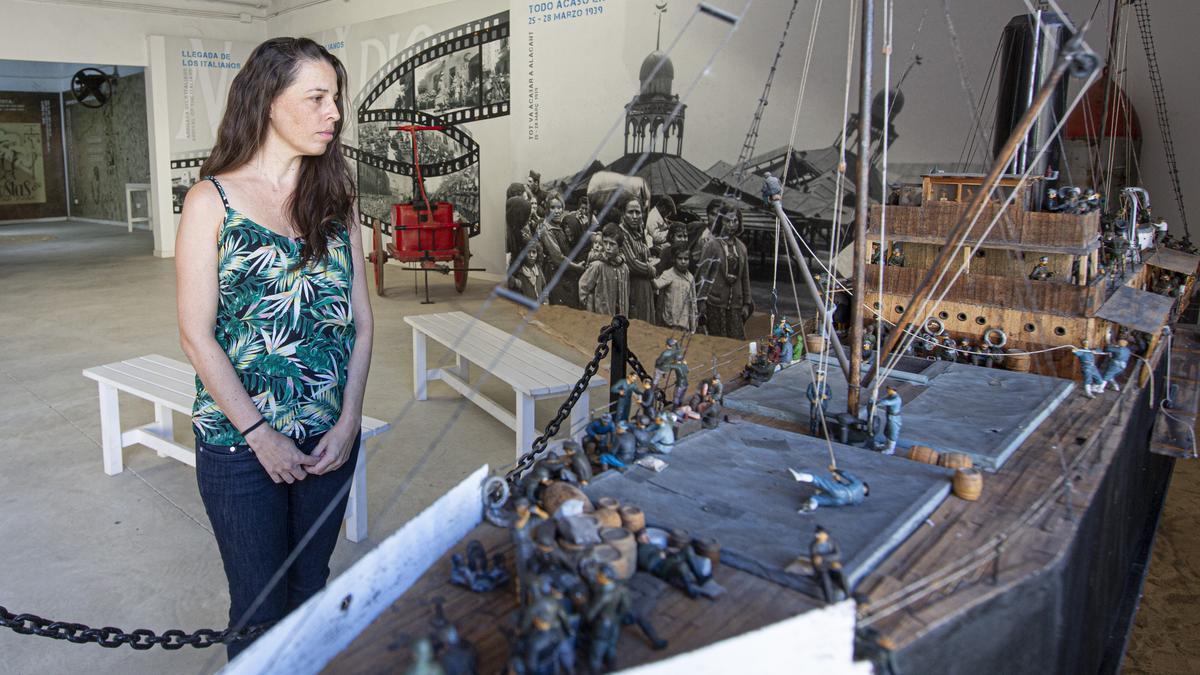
(32,180)
(107,147)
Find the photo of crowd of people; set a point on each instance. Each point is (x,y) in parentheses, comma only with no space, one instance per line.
(495,71)
(640,257)
(451,82)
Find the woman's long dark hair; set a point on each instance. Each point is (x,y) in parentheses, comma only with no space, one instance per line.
(324,195)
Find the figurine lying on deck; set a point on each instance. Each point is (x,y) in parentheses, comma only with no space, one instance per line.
(474,573)
(845,489)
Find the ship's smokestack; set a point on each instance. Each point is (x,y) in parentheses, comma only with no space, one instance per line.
(1028,48)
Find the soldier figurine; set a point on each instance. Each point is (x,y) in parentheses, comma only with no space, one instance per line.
(1041,272)
(625,445)
(760,370)
(625,389)
(1087,363)
(662,437)
(457,656)
(818,393)
(875,255)
(896,259)
(826,558)
(1118,359)
(891,405)
(665,362)
(527,519)
(845,489)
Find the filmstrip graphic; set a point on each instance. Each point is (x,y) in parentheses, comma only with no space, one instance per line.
(429,170)
(468,36)
(185,171)
(367,220)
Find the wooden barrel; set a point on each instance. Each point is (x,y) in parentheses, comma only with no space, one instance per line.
(923,453)
(968,484)
(955,460)
(633,519)
(608,512)
(1017,360)
(814,343)
(623,541)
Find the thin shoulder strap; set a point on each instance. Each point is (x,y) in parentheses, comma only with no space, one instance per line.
(220,190)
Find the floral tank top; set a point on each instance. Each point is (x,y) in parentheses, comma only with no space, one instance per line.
(287,330)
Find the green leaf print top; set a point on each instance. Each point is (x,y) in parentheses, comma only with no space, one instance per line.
(288,330)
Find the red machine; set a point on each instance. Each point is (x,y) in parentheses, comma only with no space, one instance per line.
(423,233)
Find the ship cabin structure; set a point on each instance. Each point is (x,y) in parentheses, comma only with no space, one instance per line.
(1082,297)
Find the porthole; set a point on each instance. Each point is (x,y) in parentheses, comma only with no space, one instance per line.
(981,254)
(943,315)
(962,316)
(1029,328)
(876,305)
(899,309)
(1060,331)
(981,321)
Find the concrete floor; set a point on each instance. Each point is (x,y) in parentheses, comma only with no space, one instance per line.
(135,550)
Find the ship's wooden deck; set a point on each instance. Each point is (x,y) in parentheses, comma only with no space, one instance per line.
(968,553)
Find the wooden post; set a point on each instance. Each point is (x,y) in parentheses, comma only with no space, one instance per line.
(862,209)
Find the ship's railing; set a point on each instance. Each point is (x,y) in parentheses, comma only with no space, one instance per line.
(933,221)
(1010,292)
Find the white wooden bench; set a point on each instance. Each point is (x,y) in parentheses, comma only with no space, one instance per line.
(171,386)
(533,373)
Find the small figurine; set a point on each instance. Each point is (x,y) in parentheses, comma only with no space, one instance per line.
(662,437)
(543,649)
(625,446)
(705,405)
(457,656)
(599,433)
(891,404)
(817,393)
(641,433)
(474,572)
(1118,360)
(665,362)
(896,259)
(647,400)
(531,484)
(826,558)
(875,255)
(609,608)
(844,490)
(676,568)
(783,335)
(1087,363)
(759,371)
(526,520)
(625,389)
(772,189)
(423,660)
(1041,272)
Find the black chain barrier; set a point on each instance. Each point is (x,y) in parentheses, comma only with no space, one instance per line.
(603,347)
(140,639)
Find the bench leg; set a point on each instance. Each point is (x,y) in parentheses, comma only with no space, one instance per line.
(356,506)
(420,376)
(526,432)
(165,424)
(462,368)
(580,416)
(110,429)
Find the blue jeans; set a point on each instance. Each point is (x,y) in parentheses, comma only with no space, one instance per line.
(257,524)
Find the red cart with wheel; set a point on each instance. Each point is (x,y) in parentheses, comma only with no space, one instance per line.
(424,233)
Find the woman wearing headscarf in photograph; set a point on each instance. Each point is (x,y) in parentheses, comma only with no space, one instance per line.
(628,211)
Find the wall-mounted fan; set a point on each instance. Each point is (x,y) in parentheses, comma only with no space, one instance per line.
(92,87)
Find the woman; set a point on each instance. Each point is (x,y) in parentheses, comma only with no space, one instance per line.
(557,244)
(274,316)
(637,256)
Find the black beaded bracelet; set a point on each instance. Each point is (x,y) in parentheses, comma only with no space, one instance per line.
(254,426)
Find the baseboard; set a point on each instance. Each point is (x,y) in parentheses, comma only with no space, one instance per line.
(99,221)
(18,221)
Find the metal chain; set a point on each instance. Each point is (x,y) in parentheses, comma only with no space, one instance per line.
(140,639)
(589,371)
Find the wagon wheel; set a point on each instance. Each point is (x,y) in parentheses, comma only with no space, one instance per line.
(462,259)
(378,255)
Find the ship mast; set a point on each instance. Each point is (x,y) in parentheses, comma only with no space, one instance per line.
(861,208)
